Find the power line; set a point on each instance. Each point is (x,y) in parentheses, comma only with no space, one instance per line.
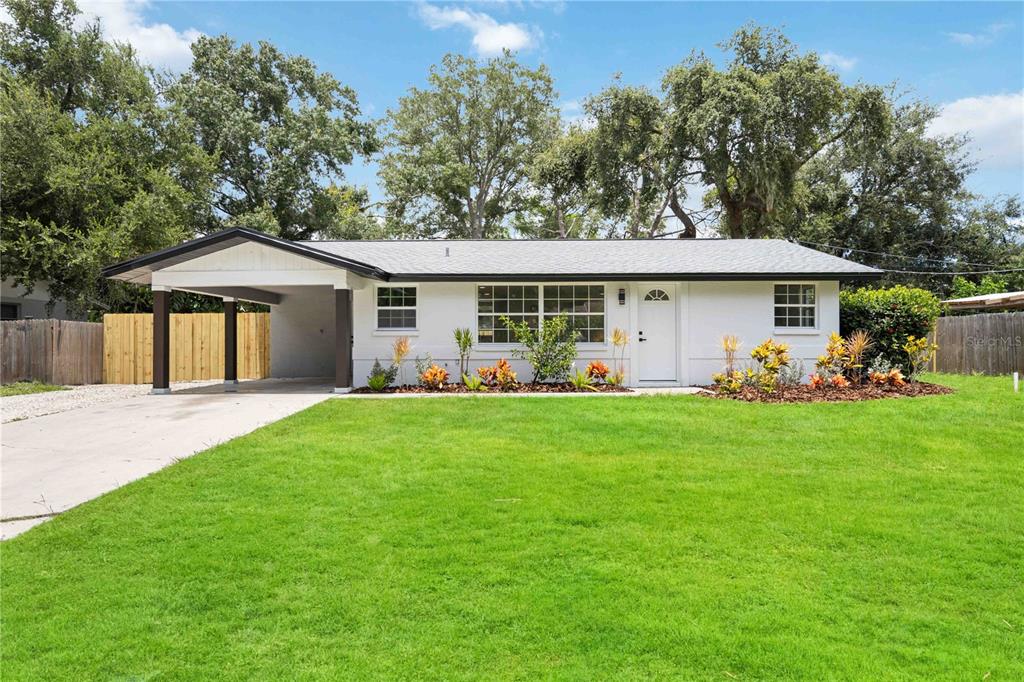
(891,255)
(951,274)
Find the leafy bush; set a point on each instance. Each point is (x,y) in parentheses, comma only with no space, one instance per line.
(919,353)
(582,381)
(499,376)
(381,378)
(550,350)
(729,382)
(771,357)
(597,370)
(434,377)
(422,365)
(835,359)
(790,375)
(889,316)
(472,383)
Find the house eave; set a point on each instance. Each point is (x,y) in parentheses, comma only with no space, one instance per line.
(140,269)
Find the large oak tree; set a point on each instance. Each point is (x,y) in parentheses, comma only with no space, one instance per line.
(459,150)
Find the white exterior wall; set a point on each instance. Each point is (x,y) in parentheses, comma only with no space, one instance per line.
(443,306)
(746,309)
(302,334)
(302,328)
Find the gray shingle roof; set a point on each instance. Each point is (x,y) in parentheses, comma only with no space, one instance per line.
(572,258)
(496,260)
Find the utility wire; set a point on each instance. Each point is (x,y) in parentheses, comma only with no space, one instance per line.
(951,274)
(891,255)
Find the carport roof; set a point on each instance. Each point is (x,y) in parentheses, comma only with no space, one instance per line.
(496,260)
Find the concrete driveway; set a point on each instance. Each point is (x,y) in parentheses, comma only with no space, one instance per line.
(54,462)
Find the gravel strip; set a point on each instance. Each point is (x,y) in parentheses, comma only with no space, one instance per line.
(17,407)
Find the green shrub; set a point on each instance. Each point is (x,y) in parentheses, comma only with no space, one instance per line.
(550,350)
(380,378)
(889,316)
(582,381)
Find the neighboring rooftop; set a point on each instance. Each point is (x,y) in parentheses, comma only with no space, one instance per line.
(1005,301)
(495,259)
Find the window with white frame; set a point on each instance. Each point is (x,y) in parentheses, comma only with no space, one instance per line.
(583,305)
(396,307)
(520,303)
(795,306)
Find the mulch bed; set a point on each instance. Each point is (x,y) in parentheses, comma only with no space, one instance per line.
(520,388)
(805,394)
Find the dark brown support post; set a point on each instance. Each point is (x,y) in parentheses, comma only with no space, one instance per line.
(342,340)
(230,345)
(161,340)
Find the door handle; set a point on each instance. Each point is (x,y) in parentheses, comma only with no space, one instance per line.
(641,339)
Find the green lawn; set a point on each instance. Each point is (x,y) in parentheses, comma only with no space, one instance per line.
(593,538)
(26,387)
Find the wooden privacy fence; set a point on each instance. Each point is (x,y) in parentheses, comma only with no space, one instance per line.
(197,347)
(54,351)
(991,343)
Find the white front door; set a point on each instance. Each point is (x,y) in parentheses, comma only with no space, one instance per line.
(656,333)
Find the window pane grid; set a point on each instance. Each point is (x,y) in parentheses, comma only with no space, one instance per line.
(582,304)
(795,305)
(396,308)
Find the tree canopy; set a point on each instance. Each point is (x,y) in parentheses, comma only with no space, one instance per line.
(459,150)
(277,129)
(103,159)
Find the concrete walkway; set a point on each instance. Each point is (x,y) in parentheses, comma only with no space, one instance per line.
(51,463)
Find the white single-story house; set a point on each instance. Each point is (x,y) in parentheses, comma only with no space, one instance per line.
(338,305)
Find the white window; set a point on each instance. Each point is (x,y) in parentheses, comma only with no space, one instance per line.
(583,305)
(396,307)
(795,306)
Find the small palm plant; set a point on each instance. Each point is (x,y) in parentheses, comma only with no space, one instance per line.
(399,351)
(620,339)
(857,345)
(730,346)
(464,340)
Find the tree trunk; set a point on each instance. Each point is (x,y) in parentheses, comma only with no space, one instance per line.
(690,229)
(734,219)
(476,223)
(560,218)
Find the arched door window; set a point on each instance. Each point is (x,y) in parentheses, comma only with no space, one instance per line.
(656,295)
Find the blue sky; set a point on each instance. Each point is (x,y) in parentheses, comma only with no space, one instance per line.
(966,57)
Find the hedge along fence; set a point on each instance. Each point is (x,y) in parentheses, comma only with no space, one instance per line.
(989,343)
(197,347)
(54,351)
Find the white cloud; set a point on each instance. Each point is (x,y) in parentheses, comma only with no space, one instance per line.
(995,124)
(985,37)
(160,45)
(573,115)
(838,61)
(489,36)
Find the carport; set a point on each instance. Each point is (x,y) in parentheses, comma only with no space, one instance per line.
(244,265)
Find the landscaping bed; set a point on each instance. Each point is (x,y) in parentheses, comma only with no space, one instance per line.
(806,393)
(563,387)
